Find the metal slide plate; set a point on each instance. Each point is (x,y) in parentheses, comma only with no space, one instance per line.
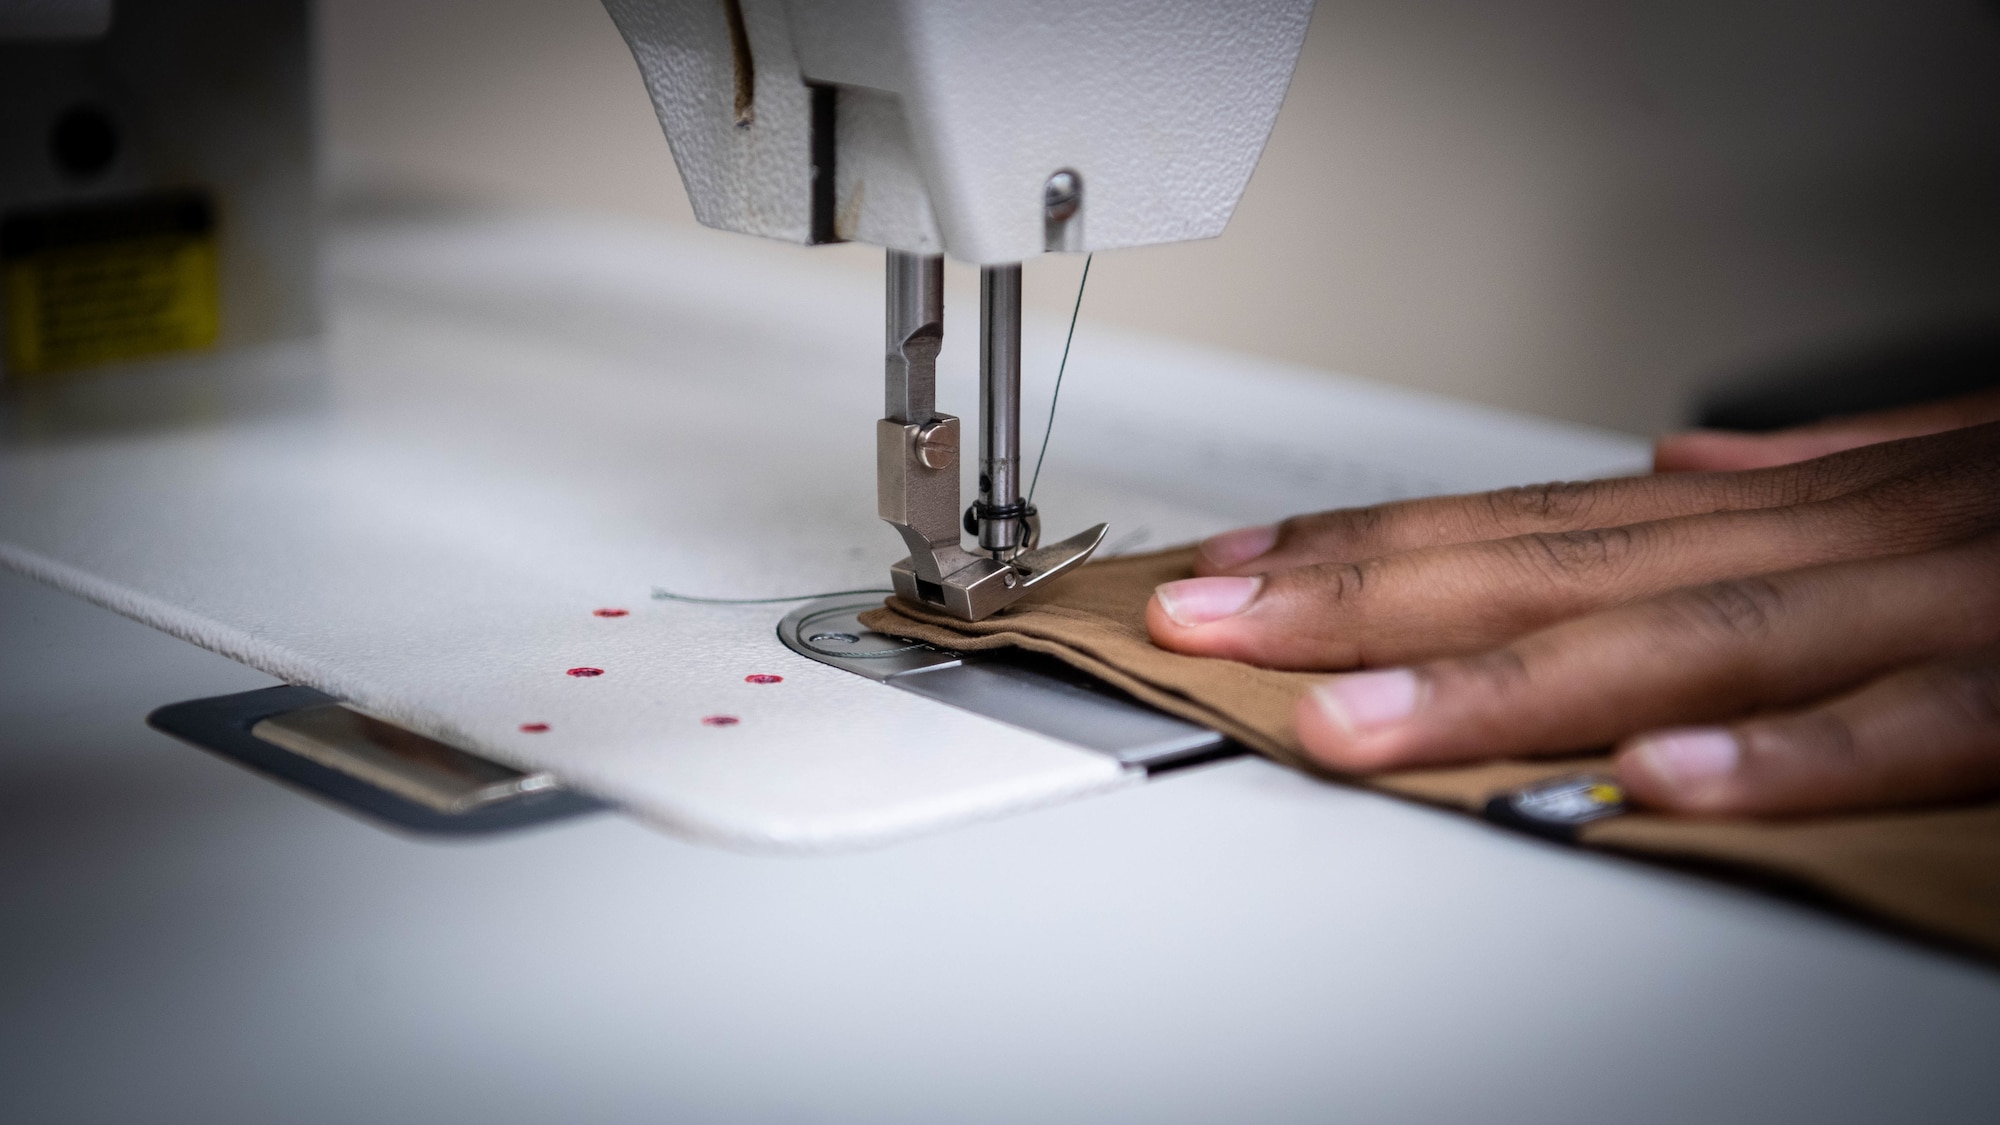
(1020,689)
(307,739)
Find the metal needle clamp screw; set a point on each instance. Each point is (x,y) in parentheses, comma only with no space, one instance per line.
(937,446)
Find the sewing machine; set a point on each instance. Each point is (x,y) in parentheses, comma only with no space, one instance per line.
(418,502)
(987,132)
(990,132)
(156,227)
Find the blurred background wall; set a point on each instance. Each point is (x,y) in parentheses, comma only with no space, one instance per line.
(1591,209)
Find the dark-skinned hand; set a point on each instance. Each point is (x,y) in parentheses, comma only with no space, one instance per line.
(1758,633)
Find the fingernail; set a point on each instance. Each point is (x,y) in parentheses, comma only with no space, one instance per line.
(1691,757)
(1232,548)
(1198,601)
(1364,701)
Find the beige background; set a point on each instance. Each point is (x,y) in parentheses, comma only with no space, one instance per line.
(1582,208)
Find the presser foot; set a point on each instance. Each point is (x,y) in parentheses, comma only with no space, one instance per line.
(985,586)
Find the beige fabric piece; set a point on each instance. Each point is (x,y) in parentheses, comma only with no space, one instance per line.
(1934,871)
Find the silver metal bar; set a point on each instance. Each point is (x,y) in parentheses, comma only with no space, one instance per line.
(383,772)
(1000,407)
(916,448)
(415,768)
(915,324)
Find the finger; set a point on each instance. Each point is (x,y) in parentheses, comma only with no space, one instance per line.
(1352,534)
(1714,450)
(1921,736)
(1690,656)
(1468,597)
(1723,451)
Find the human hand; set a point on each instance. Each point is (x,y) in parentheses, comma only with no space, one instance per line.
(1834,625)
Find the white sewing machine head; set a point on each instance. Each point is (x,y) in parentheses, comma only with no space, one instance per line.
(990,131)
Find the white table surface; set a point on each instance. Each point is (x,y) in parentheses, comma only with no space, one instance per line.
(184,941)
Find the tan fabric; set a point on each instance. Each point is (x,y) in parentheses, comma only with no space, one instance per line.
(1935,871)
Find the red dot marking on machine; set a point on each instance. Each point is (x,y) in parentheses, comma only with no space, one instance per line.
(611,612)
(534,728)
(720,720)
(586,673)
(763,678)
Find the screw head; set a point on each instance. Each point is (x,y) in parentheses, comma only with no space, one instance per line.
(1009,579)
(1062,195)
(937,446)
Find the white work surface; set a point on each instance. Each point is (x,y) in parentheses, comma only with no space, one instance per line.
(185,941)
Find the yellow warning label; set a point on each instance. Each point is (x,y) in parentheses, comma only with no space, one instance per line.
(77,305)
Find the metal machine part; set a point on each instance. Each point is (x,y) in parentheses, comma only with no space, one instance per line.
(387,756)
(898,123)
(1001,514)
(310,740)
(1062,207)
(1020,689)
(916,448)
(916,453)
